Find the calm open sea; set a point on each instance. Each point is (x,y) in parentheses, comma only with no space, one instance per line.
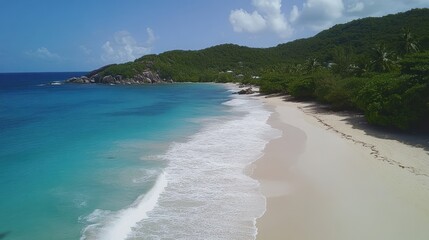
(127,162)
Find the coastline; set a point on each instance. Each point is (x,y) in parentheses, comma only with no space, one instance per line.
(330,176)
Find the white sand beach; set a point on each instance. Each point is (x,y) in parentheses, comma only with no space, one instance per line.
(331,176)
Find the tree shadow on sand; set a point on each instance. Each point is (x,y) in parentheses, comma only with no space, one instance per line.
(357,121)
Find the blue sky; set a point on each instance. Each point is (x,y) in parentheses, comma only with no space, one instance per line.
(77,35)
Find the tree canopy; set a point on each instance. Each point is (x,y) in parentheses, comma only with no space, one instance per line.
(379,66)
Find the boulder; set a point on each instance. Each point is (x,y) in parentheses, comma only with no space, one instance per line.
(245,91)
(118,78)
(145,77)
(108,79)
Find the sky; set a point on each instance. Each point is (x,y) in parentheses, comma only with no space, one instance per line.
(82,35)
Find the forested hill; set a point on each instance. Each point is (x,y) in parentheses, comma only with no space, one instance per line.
(358,37)
(379,66)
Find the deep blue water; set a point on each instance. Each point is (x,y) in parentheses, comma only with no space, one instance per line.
(68,150)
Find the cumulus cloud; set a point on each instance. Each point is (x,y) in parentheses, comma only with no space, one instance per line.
(311,16)
(123,47)
(319,14)
(43,53)
(267,16)
(355,7)
(151,36)
(294,14)
(243,21)
(364,8)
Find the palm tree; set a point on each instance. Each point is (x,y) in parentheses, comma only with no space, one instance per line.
(408,42)
(296,69)
(341,61)
(383,60)
(311,64)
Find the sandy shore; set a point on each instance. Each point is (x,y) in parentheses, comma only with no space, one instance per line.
(333,177)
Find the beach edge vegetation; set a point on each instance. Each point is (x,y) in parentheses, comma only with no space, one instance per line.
(378,66)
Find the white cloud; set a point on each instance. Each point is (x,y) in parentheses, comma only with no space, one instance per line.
(320,14)
(311,16)
(355,7)
(243,21)
(294,14)
(268,7)
(107,48)
(124,47)
(151,36)
(267,16)
(365,8)
(43,53)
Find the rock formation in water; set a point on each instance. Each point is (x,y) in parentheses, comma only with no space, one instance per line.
(98,76)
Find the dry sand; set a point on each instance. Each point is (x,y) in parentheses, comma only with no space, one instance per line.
(331,177)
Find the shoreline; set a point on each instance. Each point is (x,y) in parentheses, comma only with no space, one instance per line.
(331,176)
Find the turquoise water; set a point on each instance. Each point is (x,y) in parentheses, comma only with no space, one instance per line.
(68,150)
(128,162)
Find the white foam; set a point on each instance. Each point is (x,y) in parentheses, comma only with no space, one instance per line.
(117,226)
(236,102)
(144,176)
(208,195)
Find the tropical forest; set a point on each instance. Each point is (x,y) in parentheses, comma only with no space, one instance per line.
(378,66)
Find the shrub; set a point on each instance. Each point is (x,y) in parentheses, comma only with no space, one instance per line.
(273,83)
(394,100)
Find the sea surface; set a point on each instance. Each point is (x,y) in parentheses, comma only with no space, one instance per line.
(127,162)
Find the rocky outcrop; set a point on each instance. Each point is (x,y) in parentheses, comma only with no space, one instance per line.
(145,77)
(82,79)
(246,91)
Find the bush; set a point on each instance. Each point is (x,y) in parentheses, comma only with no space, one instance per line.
(394,100)
(343,92)
(315,84)
(273,83)
(302,88)
(336,90)
(416,64)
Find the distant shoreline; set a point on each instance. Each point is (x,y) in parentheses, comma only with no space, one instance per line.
(328,179)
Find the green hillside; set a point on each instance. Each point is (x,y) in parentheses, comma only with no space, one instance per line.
(379,66)
(358,37)
(205,65)
(361,36)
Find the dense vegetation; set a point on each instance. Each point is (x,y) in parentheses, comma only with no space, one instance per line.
(379,66)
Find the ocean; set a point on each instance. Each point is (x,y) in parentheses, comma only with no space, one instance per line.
(128,162)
